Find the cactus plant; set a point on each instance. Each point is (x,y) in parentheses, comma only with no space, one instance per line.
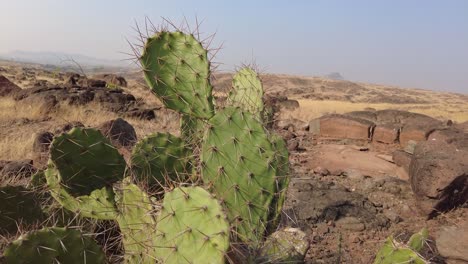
(238,163)
(177,69)
(18,206)
(395,252)
(281,181)
(160,158)
(192,228)
(247,91)
(136,223)
(54,245)
(82,167)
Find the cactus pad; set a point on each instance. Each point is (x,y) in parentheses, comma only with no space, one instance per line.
(54,245)
(85,161)
(177,69)
(238,164)
(247,91)
(136,223)
(395,252)
(160,157)
(191,228)
(18,206)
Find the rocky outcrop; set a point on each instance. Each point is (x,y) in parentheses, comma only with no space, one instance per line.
(7,88)
(115,100)
(439,172)
(386,133)
(341,126)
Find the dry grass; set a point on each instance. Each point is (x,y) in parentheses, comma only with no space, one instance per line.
(19,123)
(310,109)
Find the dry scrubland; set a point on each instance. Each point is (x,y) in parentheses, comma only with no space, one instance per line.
(316,96)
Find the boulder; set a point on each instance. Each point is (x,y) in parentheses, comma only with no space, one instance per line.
(367,115)
(119,131)
(341,126)
(314,126)
(418,128)
(386,133)
(41,145)
(439,174)
(7,88)
(288,245)
(452,243)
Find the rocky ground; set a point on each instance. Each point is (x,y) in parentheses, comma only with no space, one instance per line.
(356,178)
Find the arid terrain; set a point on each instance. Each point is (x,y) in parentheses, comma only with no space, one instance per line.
(353,150)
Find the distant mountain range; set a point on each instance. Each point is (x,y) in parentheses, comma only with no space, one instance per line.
(60,59)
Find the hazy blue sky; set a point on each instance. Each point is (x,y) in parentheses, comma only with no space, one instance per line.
(402,42)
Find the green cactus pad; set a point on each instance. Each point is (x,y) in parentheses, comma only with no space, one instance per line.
(191,228)
(191,130)
(394,252)
(18,206)
(247,91)
(86,161)
(54,245)
(418,240)
(136,223)
(99,204)
(238,164)
(177,69)
(160,157)
(282,179)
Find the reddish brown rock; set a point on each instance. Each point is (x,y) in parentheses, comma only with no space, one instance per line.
(402,159)
(439,174)
(120,132)
(340,126)
(7,88)
(386,133)
(418,128)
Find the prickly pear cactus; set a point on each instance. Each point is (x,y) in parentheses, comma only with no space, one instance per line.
(177,69)
(82,167)
(54,245)
(191,130)
(159,159)
(238,164)
(247,91)
(395,252)
(281,181)
(136,223)
(191,228)
(18,206)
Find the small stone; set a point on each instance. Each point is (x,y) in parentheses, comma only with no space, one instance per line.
(321,171)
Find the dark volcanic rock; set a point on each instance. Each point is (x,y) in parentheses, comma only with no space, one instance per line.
(119,131)
(311,201)
(7,88)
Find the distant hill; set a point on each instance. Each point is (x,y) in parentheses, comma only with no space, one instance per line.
(58,58)
(335,76)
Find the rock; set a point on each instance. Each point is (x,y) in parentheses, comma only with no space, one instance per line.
(321,171)
(42,141)
(354,174)
(452,243)
(410,146)
(18,169)
(293,144)
(7,88)
(386,133)
(313,201)
(340,126)
(288,245)
(119,131)
(439,174)
(314,126)
(113,79)
(393,216)
(351,224)
(418,129)
(366,115)
(143,114)
(296,124)
(385,157)
(402,159)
